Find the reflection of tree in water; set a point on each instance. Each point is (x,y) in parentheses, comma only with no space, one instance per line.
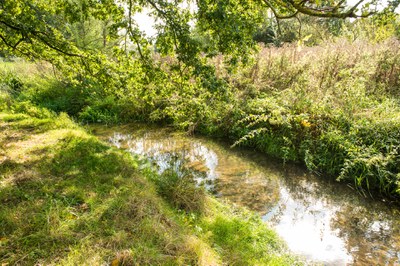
(183,158)
(372,237)
(238,180)
(370,230)
(303,190)
(306,188)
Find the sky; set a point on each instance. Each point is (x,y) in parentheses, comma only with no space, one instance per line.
(145,23)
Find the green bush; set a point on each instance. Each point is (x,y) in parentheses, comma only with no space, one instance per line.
(334,108)
(106,110)
(11,83)
(58,97)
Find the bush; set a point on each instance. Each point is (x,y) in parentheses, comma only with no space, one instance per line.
(334,108)
(58,97)
(11,84)
(106,111)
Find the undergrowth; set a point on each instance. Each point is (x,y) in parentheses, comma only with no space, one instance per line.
(334,108)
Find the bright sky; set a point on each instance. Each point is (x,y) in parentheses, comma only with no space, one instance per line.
(145,22)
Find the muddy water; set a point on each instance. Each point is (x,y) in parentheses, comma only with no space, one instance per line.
(323,221)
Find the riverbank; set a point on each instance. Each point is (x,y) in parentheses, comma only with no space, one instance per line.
(341,227)
(332,108)
(69,199)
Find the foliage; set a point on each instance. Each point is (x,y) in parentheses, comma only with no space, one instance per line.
(300,104)
(99,44)
(336,114)
(333,108)
(377,28)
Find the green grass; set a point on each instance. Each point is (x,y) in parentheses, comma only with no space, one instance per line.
(68,199)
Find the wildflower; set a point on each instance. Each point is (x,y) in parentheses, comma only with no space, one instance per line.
(305,123)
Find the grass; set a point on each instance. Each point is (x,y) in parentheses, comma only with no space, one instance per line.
(68,199)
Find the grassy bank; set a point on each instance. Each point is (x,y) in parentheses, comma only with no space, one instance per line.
(333,108)
(68,199)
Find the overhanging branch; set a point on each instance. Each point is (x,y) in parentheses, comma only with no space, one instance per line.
(324,12)
(29,34)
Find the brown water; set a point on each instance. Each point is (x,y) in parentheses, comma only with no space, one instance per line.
(322,220)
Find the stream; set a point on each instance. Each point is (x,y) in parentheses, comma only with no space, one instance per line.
(321,220)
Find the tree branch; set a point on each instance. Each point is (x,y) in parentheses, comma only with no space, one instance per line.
(324,12)
(13,46)
(36,34)
(131,31)
(276,13)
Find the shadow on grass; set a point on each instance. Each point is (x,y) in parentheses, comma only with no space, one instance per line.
(86,203)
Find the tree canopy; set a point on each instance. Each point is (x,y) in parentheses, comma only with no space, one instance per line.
(47,29)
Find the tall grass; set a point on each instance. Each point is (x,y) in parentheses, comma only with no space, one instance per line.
(334,107)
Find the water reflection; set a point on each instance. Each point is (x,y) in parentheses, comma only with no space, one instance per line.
(307,229)
(238,180)
(332,224)
(175,154)
(319,219)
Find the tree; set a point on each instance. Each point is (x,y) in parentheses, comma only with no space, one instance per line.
(43,29)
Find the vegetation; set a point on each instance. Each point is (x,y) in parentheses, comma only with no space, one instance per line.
(333,108)
(318,90)
(69,199)
(338,113)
